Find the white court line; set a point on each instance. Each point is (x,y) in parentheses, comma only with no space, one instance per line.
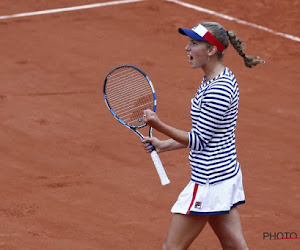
(88,6)
(211,12)
(294,38)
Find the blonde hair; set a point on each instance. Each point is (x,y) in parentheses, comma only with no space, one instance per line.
(223,36)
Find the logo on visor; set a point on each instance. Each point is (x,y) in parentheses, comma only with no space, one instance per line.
(195,27)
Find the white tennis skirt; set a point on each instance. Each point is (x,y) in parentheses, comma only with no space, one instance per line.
(211,199)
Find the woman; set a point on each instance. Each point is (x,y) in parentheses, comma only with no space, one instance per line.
(215,187)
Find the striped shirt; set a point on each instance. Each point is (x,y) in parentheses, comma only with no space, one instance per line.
(214,111)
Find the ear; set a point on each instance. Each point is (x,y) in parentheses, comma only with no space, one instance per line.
(212,50)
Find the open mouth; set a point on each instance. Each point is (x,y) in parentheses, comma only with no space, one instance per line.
(190,57)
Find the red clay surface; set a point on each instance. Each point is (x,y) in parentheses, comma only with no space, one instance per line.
(73,178)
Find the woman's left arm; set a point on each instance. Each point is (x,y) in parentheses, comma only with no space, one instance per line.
(152,120)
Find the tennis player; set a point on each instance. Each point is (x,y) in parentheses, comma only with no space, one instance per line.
(215,188)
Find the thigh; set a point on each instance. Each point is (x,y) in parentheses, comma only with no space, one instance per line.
(183,230)
(228,228)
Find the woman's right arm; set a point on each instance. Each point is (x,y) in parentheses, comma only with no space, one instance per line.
(162,146)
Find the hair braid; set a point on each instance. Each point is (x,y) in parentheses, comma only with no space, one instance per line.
(250,61)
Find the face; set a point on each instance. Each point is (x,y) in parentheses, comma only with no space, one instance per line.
(197,52)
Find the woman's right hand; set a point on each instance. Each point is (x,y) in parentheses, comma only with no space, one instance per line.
(149,142)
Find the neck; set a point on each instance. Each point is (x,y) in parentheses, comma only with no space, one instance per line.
(213,71)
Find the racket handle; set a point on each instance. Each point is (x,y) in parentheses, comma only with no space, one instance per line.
(159,168)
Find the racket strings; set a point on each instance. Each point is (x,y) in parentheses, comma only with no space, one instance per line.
(123,112)
(120,89)
(129,94)
(115,93)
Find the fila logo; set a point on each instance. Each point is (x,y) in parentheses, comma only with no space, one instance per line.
(198,204)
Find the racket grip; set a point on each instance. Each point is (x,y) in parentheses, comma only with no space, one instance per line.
(159,168)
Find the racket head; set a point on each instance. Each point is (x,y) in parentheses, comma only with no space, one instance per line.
(128,91)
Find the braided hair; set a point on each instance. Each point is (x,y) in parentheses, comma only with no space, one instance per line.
(223,36)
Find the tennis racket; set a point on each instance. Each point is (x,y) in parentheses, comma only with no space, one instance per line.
(128,91)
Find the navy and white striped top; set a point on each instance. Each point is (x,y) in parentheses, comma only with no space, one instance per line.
(214,113)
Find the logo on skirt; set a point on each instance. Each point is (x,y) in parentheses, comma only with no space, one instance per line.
(198,204)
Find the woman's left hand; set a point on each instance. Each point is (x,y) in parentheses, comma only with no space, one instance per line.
(151,118)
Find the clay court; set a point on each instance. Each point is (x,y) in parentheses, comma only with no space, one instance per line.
(73,178)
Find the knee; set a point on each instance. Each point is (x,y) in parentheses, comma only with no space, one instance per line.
(170,246)
(165,246)
(241,245)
